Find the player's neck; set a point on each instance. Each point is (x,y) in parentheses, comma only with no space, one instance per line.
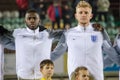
(84,24)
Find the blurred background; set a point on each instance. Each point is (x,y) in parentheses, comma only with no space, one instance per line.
(12,16)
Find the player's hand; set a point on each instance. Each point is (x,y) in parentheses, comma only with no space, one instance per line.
(97,27)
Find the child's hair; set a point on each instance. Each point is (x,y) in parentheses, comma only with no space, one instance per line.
(83,4)
(76,72)
(31,10)
(46,62)
(78,69)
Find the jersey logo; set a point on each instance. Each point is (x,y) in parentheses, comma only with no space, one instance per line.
(93,38)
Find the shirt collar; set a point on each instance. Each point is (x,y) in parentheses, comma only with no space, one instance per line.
(87,28)
(33,31)
(44,79)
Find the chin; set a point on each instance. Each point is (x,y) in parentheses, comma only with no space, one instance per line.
(83,22)
(32,28)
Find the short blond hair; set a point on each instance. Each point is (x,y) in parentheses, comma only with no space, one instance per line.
(83,4)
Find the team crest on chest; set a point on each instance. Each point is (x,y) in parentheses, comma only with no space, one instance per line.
(94,38)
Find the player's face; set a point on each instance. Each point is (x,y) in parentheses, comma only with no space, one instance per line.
(47,70)
(83,75)
(83,15)
(32,20)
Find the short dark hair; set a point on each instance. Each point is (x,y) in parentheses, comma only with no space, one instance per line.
(46,62)
(31,10)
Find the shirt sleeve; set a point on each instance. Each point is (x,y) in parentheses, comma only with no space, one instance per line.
(117,43)
(7,41)
(60,48)
(109,50)
(56,34)
(107,61)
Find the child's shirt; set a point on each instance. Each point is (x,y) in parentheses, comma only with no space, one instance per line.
(44,79)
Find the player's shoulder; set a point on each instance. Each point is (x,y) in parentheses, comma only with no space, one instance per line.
(19,30)
(72,29)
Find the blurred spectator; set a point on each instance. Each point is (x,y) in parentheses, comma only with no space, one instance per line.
(41,8)
(94,7)
(67,15)
(74,3)
(103,9)
(22,6)
(31,4)
(54,12)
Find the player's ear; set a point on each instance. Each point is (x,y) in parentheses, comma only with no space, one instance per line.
(76,16)
(91,16)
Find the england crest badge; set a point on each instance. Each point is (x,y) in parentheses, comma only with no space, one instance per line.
(93,38)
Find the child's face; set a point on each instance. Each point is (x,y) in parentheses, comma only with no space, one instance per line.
(47,70)
(83,75)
